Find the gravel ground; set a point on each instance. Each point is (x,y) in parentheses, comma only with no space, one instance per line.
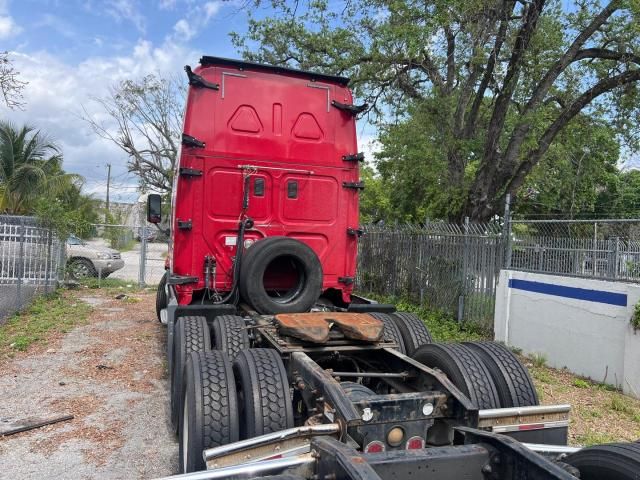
(109,374)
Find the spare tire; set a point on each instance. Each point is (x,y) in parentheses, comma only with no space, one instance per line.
(280,275)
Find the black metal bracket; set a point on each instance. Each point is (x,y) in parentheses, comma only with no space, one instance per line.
(354,157)
(352,109)
(346,280)
(181,280)
(358,232)
(354,185)
(190,172)
(189,141)
(197,81)
(184,224)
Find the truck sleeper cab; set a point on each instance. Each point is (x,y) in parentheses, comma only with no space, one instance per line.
(276,366)
(275,148)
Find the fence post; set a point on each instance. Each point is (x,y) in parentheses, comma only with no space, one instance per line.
(49,261)
(20,272)
(465,261)
(507,231)
(595,248)
(143,256)
(62,260)
(616,256)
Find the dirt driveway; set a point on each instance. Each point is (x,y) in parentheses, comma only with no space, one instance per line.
(109,374)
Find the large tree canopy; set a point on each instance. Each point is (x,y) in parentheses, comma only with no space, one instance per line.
(472,96)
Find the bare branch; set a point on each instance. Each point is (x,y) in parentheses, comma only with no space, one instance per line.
(604,86)
(145,122)
(11,86)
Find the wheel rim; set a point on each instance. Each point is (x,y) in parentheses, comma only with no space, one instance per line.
(80,270)
(185,435)
(292,287)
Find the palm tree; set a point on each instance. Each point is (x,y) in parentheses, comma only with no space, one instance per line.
(30,168)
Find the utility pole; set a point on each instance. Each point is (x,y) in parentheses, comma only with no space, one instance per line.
(106,220)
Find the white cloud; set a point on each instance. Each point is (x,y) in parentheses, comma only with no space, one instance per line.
(8,27)
(196,19)
(167,4)
(57,91)
(183,31)
(126,11)
(211,9)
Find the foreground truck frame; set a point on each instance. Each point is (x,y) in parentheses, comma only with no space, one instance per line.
(277,368)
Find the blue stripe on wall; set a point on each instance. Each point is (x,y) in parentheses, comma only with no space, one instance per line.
(598,296)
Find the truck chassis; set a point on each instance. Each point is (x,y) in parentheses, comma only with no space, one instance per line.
(341,429)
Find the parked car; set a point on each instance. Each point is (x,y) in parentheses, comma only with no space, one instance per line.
(84,260)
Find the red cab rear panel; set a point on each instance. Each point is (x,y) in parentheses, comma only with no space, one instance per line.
(280,127)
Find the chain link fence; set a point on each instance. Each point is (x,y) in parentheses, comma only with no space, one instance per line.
(454,268)
(604,249)
(32,262)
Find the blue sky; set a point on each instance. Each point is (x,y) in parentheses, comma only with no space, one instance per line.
(71,50)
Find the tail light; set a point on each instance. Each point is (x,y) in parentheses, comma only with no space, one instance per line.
(374,447)
(415,443)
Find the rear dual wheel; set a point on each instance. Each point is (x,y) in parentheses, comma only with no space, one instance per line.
(225,402)
(263,392)
(464,368)
(190,334)
(391,331)
(487,372)
(615,461)
(513,382)
(230,335)
(210,408)
(413,330)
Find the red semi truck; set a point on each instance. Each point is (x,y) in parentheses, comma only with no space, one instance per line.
(276,366)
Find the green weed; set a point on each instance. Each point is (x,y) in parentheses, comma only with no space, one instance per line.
(595,438)
(47,314)
(539,359)
(621,404)
(579,383)
(443,327)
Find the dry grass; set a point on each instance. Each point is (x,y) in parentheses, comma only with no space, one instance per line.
(600,413)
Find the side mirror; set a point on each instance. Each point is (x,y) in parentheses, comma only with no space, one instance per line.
(154,208)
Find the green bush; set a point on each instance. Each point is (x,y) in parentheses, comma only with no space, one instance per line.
(443,327)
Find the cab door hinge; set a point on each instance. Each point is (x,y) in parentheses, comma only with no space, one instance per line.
(189,141)
(352,109)
(354,157)
(346,280)
(184,224)
(197,81)
(190,172)
(354,185)
(356,232)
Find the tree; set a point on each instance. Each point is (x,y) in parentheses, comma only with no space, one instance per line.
(10,84)
(145,121)
(30,168)
(494,83)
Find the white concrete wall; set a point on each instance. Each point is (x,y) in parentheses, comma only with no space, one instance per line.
(583,325)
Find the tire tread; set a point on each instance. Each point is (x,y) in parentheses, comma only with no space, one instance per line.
(507,370)
(230,334)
